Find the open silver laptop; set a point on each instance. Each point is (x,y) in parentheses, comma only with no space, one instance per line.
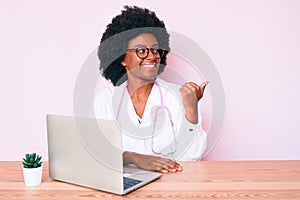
(88,152)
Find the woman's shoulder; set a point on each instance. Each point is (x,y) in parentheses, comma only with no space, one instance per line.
(167,83)
(168,86)
(108,90)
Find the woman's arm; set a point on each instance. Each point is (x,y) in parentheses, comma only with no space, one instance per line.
(191,93)
(149,162)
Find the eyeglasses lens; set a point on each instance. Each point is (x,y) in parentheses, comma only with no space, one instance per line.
(143,52)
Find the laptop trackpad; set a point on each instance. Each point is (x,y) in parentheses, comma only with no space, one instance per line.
(136,173)
(139,174)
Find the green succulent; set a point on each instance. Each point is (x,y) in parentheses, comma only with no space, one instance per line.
(32,160)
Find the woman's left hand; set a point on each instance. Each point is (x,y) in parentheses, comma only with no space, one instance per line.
(191,93)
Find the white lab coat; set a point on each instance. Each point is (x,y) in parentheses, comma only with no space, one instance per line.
(138,135)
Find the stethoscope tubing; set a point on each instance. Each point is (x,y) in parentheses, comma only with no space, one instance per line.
(162,106)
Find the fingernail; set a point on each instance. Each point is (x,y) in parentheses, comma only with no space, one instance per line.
(164,171)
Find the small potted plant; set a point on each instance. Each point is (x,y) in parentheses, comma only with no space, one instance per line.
(32,169)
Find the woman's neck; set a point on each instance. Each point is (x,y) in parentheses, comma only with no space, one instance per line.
(139,94)
(139,89)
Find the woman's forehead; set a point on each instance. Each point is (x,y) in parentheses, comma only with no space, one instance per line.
(143,39)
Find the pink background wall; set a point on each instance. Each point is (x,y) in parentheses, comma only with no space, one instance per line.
(255,46)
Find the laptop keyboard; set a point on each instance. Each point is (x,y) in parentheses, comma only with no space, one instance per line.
(129,182)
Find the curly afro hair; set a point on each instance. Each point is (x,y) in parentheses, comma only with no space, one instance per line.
(124,27)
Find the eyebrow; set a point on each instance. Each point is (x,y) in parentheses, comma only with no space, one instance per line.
(142,45)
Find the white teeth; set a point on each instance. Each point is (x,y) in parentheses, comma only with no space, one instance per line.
(149,66)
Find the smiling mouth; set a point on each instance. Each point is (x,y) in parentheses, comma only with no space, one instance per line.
(151,66)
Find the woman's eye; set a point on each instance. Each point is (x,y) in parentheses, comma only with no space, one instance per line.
(142,51)
(154,51)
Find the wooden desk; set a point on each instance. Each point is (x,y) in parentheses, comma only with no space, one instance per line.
(199,180)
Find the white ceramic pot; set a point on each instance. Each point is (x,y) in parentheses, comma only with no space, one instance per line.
(33,176)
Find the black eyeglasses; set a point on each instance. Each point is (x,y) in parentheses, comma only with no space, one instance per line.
(143,52)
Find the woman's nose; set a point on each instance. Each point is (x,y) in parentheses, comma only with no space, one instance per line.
(151,56)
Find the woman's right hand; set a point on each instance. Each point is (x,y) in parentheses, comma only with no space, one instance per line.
(149,162)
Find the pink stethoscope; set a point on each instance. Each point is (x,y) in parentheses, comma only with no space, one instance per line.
(161,106)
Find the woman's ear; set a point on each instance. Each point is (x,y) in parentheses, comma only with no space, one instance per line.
(124,63)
